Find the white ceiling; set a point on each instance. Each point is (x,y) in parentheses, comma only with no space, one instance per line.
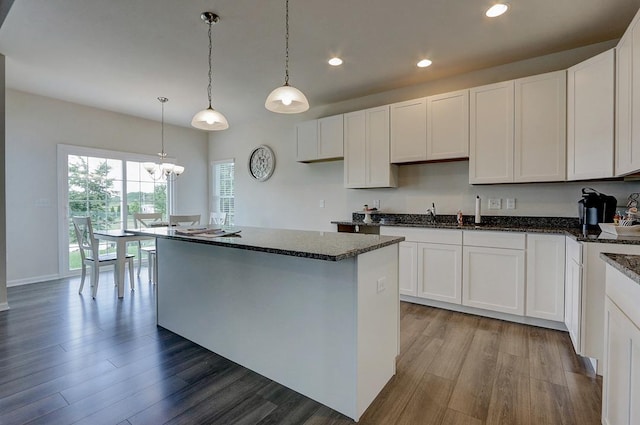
(120,55)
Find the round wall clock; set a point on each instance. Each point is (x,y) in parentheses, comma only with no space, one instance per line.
(262,162)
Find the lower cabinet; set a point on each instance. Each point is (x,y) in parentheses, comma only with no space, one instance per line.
(545,276)
(440,272)
(621,377)
(573,292)
(408,268)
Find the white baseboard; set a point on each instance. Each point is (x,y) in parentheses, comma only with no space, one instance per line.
(29,280)
(4,306)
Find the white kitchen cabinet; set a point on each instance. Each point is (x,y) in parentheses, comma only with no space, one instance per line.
(545,276)
(590,118)
(320,139)
(493,271)
(540,141)
(621,377)
(491,121)
(440,272)
(627,141)
(430,262)
(448,126)
(573,292)
(366,149)
(409,131)
(408,268)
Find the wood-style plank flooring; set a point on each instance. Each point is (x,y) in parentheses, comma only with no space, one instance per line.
(65,358)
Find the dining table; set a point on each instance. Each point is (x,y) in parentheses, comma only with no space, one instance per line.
(120,237)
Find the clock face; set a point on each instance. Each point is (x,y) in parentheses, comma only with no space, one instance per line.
(262,162)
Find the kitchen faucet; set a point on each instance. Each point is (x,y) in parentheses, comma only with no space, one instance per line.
(431,213)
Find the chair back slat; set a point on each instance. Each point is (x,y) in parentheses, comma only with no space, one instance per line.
(219,218)
(86,241)
(184,220)
(141,220)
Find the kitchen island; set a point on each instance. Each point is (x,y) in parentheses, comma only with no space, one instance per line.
(315,311)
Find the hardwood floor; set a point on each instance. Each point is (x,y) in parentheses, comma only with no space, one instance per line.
(65,358)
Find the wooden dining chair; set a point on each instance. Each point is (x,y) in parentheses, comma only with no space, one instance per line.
(145,220)
(219,218)
(184,220)
(90,254)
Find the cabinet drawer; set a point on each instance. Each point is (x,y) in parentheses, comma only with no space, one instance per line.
(413,234)
(506,240)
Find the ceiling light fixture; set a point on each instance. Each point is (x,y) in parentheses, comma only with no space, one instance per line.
(163,169)
(209,119)
(286,99)
(497,10)
(335,61)
(424,63)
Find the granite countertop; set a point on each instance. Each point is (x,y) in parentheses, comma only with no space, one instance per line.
(629,265)
(329,246)
(553,225)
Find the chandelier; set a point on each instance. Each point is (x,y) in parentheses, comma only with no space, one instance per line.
(162,169)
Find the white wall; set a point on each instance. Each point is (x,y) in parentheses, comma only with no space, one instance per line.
(3,223)
(35,125)
(290,199)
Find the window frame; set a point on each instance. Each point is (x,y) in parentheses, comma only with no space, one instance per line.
(215,197)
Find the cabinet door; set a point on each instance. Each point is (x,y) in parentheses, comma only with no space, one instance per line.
(355,149)
(545,276)
(540,128)
(493,279)
(409,131)
(628,100)
(440,272)
(408,268)
(573,292)
(448,125)
(590,118)
(491,133)
(379,171)
(307,141)
(331,137)
(621,380)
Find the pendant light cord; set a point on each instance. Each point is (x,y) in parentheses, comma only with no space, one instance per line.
(210,66)
(286,61)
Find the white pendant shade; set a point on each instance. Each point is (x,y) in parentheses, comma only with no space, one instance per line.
(209,119)
(287,100)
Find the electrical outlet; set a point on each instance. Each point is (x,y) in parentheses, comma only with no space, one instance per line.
(511,203)
(376,204)
(382,284)
(495,203)
(321,203)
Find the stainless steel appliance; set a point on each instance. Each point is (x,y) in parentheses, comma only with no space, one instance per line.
(594,208)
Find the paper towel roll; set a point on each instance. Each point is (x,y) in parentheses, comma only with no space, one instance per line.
(478,219)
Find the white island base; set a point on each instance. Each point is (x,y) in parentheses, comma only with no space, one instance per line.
(327,329)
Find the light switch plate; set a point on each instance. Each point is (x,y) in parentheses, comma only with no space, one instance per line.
(495,203)
(511,203)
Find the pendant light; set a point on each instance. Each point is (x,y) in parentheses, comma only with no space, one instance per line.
(209,119)
(163,169)
(286,99)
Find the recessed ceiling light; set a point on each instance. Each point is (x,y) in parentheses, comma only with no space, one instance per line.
(424,63)
(497,10)
(335,61)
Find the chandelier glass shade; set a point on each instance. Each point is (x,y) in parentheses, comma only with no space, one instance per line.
(209,119)
(286,99)
(162,169)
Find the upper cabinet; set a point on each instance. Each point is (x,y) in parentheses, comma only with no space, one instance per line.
(540,128)
(627,142)
(320,140)
(448,126)
(590,118)
(366,149)
(491,133)
(517,130)
(409,131)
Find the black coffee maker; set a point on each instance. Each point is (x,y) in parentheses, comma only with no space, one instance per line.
(594,208)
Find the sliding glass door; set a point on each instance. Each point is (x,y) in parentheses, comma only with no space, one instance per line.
(107,186)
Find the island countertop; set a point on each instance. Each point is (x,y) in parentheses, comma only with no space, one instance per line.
(328,246)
